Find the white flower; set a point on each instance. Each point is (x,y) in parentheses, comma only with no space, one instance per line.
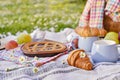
(11,56)
(64,61)
(35,70)
(22,59)
(35,58)
(7,69)
(82,54)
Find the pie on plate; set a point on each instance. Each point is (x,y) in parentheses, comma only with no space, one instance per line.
(43,48)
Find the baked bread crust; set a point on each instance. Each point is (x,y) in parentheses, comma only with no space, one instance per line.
(74,59)
(43,47)
(90,31)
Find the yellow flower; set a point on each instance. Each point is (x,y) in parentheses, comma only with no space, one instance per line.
(35,70)
(82,54)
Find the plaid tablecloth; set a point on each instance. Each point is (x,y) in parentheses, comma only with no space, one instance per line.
(12,69)
(56,70)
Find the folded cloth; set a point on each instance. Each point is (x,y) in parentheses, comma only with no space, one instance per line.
(112,6)
(93,13)
(114,10)
(38,35)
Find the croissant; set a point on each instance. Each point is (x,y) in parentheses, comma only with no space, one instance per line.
(79,59)
(102,32)
(90,31)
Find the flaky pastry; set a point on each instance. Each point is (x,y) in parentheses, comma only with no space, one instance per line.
(90,31)
(79,59)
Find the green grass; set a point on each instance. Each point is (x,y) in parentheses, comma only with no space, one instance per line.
(19,15)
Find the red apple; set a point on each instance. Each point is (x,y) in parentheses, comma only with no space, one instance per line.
(75,42)
(11,45)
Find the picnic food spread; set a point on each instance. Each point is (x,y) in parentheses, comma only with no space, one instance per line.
(47,48)
(43,48)
(90,31)
(79,59)
(103,51)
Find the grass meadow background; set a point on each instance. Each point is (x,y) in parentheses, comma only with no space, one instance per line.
(20,15)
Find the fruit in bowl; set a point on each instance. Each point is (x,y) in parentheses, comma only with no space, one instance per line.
(24,38)
(11,45)
(112,36)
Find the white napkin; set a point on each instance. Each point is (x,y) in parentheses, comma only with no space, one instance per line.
(62,36)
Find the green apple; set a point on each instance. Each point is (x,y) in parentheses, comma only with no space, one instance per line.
(24,38)
(112,36)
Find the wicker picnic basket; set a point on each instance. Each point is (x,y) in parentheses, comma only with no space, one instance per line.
(110,25)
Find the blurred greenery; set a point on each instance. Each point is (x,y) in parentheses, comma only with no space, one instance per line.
(20,15)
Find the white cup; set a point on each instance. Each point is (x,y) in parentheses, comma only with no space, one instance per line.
(86,43)
(104,51)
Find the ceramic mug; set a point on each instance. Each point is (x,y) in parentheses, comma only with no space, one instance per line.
(86,43)
(104,51)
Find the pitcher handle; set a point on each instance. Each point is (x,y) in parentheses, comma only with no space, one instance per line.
(118,47)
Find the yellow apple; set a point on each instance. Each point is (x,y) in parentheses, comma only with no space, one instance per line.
(24,38)
(112,36)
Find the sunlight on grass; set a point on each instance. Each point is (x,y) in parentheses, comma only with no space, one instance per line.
(19,15)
